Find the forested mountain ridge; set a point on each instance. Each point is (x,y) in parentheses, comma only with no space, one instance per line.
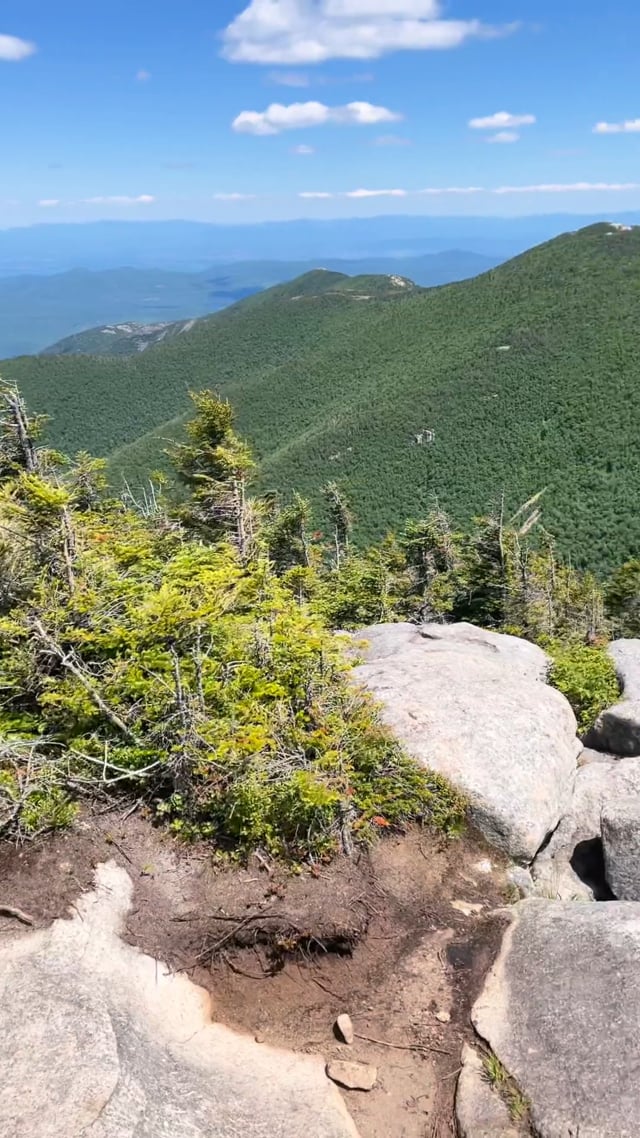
(523,378)
(38,311)
(128,338)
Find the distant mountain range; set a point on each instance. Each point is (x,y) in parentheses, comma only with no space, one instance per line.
(191,246)
(524,378)
(35,311)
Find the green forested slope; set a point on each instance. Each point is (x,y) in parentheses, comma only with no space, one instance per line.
(529,376)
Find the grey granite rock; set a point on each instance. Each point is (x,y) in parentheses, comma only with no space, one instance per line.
(617,729)
(560,1009)
(621,846)
(98,1040)
(571,866)
(474,706)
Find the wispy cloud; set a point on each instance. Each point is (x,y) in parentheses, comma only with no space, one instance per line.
(504,136)
(436,191)
(391,140)
(233,197)
(303,150)
(13,49)
(456,191)
(317,79)
(376,193)
(49,203)
(120,199)
(290,78)
(313,31)
(143,76)
(300,116)
(630,126)
(570,188)
(502,120)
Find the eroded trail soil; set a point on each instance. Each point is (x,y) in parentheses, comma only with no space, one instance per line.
(400,937)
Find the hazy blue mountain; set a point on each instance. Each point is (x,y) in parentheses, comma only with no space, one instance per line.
(191,246)
(38,311)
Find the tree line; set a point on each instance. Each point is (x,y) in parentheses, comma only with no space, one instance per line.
(182,656)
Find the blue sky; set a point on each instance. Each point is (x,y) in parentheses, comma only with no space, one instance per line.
(242,110)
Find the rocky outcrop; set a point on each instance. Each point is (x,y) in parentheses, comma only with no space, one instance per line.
(99,1041)
(474,705)
(617,730)
(621,845)
(571,867)
(560,1009)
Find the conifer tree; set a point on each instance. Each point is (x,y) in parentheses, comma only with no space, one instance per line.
(215,464)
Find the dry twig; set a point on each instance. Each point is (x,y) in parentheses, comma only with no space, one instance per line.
(403,1046)
(17,914)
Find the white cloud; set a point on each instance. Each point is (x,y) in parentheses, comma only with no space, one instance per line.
(299,116)
(391,140)
(501,120)
(376,194)
(235,197)
(630,126)
(312,31)
(504,136)
(315,194)
(120,199)
(12,49)
(303,150)
(49,203)
(143,76)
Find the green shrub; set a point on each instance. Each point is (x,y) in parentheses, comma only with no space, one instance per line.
(47,808)
(587,677)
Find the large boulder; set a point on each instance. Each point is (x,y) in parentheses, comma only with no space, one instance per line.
(621,846)
(474,706)
(617,729)
(571,866)
(560,1009)
(99,1041)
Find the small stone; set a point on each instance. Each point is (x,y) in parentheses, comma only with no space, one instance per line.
(443,1017)
(467,908)
(344,1027)
(483,866)
(353,1076)
(259,1037)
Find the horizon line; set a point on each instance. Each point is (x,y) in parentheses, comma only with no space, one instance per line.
(228,224)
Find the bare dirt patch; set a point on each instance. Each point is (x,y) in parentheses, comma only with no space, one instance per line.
(284,954)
